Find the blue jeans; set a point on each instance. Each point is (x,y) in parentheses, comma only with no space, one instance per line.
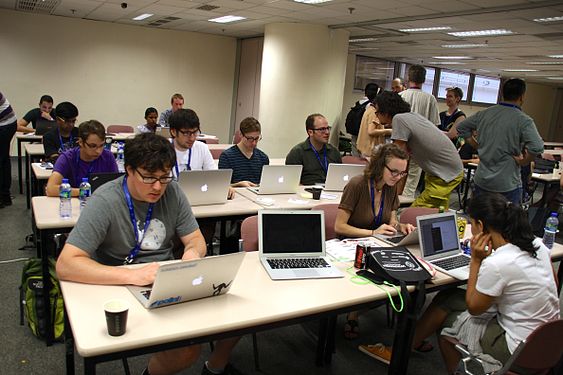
(514,196)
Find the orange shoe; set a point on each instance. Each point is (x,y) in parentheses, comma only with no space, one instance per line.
(378,351)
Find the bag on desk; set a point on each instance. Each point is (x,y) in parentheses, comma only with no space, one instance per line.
(396,264)
(31,299)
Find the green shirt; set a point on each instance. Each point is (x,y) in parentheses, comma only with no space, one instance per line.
(313,171)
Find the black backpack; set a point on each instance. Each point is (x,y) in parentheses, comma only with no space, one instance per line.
(354,118)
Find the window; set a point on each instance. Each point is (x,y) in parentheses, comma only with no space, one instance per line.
(450,78)
(370,69)
(428,85)
(485,89)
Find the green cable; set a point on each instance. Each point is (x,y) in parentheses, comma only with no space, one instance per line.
(360,280)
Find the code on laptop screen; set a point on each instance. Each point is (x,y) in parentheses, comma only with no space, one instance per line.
(439,235)
(291,233)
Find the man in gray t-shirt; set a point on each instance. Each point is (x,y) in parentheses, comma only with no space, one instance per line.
(430,148)
(133,220)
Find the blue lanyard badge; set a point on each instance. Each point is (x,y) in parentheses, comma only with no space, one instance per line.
(379,217)
(188,166)
(129,200)
(325,164)
(511,106)
(77,178)
(70,141)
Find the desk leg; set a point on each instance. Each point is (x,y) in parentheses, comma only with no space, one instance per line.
(321,341)
(465,193)
(69,347)
(89,367)
(330,345)
(27,181)
(20,180)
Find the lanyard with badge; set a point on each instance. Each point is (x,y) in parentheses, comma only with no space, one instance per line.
(188,166)
(379,217)
(77,178)
(133,253)
(61,140)
(511,106)
(325,164)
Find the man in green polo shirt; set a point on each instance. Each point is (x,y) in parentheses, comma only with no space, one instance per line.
(315,153)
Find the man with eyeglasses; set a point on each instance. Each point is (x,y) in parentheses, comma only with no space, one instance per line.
(435,153)
(315,153)
(134,219)
(89,157)
(244,158)
(64,136)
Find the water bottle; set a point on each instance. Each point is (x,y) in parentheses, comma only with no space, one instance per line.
(84,193)
(550,230)
(65,206)
(120,158)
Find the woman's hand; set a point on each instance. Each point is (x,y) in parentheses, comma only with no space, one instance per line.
(386,229)
(406,228)
(481,246)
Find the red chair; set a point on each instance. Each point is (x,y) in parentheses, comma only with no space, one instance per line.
(330,210)
(349,159)
(120,129)
(237,137)
(216,152)
(210,141)
(249,233)
(409,214)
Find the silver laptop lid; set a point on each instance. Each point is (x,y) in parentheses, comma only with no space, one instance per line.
(206,187)
(279,179)
(438,236)
(287,233)
(338,175)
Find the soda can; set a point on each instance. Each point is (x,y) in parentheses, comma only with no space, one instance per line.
(361,253)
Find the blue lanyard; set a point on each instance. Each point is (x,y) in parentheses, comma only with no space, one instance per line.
(61,140)
(511,106)
(188,166)
(379,217)
(325,165)
(77,178)
(129,258)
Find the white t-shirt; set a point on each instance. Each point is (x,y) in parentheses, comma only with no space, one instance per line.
(422,103)
(523,287)
(201,158)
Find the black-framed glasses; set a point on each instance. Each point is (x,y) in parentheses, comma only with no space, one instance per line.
(396,173)
(94,146)
(323,130)
(188,133)
(151,179)
(253,139)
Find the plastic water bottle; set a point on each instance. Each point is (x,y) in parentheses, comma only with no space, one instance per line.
(550,230)
(120,160)
(84,193)
(65,206)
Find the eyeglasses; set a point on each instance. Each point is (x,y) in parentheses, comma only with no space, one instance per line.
(322,130)
(396,173)
(94,146)
(187,133)
(151,179)
(252,139)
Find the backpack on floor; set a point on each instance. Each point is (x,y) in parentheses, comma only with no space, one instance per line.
(354,118)
(31,299)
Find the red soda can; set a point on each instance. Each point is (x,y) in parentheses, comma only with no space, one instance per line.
(361,252)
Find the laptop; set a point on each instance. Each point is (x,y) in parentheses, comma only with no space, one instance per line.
(279,179)
(439,244)
(98,179)
(338,175)
(42,126)
(400,239)
(185,281)
(206,187)
(291,245)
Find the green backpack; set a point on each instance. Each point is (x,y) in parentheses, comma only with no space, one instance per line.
(31,299)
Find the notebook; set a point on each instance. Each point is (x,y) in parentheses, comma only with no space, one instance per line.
(185,281)
(279,179)
(206,187)
(98,179)
(338,175)
(439,244)
(42,126)
(291,245)
(400,239)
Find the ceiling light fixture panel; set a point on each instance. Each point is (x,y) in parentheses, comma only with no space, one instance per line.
(475,33)
(468,45)
(312,1)
(361,40)
(452,57)
(423,29)
(143,16)
(549,19)
(227,19)
(520,70)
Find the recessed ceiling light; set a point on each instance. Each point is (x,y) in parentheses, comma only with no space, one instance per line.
(358,40)
(520,70)
(452,57)
(469,45)
(421,29)
(545,63)
(556,56)
(363,48)
(312,1)
(481,33)
(446,63)
(555,78)
(227,19)
(549,19)
(143,16)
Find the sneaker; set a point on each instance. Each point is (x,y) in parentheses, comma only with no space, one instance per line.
(378,351)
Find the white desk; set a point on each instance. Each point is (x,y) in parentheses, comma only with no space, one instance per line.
(552,144)
(300,201)
(23,138)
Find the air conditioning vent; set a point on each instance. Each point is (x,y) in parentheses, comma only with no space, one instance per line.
(207,7)
(37,6)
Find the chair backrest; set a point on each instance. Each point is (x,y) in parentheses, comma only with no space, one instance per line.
(212,141)
(349,159)
(237,137)
(216,152)
(249,233)
(409,214)
(541,350)
(330,210)
(120,129)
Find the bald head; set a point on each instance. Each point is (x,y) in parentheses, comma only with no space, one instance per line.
(397,85)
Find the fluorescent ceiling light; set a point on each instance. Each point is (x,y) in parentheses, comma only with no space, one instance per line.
(495,32)
(556,56)
(452,57)
(358,40)
(143,16)
(469,45)
(446,63)
(421,29)
(520,70)
(227,19)
(312,1)
(555,78)
(549,19)
(546,63)
(362,48)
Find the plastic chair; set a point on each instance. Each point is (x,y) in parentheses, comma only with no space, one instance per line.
(349,159)
(120,129)
(409,214)
(237,137)
(249,233)
(210,141)
(330,210)
(539,353)
(216,153)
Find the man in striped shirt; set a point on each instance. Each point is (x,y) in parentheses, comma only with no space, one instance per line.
(8,125)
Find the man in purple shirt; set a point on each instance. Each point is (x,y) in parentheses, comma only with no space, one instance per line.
(89,157)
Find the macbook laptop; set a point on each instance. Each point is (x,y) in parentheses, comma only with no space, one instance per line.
(206,187)
(338,175)
(400,239)
(279,179)
(439,244)
(98,179)
(184,281)
(291,245)
(42,126)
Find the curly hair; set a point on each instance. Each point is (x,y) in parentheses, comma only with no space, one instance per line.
(379,159)
(391,103)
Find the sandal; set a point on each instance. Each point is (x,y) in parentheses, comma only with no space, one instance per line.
(424,347)
(351,329)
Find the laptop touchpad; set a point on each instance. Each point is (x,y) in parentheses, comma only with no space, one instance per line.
(306,273)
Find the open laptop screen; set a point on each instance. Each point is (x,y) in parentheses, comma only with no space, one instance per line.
(292,232)
(438,234)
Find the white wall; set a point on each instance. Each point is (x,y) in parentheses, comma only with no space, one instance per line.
(113,72)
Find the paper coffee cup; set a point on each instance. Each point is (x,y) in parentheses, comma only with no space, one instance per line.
(116,316)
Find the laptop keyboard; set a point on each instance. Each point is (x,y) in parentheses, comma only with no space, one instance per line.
(298,263)
(453,262)
(396,239)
